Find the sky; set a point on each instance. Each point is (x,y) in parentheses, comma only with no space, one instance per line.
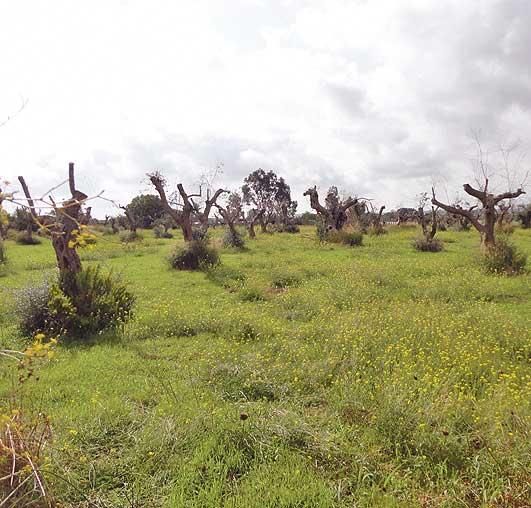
(382,98)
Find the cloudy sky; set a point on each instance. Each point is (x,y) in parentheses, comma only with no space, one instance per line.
(377,97)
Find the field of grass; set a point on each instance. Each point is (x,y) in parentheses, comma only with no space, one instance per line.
(293,375)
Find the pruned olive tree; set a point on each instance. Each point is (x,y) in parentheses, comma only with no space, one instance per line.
(334,212)
(130,218)
(376,225)
(232,211)
(232,215)
(64,229)
(82,301)
(182,208)
(486,222)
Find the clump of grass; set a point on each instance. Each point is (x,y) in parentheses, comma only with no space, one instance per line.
(226,276)
(251,294)
(504,258)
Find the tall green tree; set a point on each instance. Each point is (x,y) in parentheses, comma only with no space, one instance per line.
(146,209)
(268,194)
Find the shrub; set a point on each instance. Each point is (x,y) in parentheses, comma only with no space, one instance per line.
(424,245)
(160,232)
(24,239)
(504,258)
(31,307)
(130,236)
(195,255)
(350,238)
(92,301)
(233,238)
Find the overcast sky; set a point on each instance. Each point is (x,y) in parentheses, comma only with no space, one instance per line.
(377,97)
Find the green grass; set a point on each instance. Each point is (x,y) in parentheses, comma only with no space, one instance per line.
(370,376)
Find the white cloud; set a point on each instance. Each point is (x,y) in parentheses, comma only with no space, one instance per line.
(375,97)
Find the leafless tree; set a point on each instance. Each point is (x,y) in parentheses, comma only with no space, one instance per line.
(184,209)
(232,212)
(375,220)
(427,224)
(131,219)
(487,222)
(113,222)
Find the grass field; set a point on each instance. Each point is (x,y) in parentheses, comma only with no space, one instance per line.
(294,375)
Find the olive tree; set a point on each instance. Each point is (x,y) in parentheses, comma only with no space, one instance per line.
(334,212)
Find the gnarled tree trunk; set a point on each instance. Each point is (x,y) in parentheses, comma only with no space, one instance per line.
(65,228)
(489,202)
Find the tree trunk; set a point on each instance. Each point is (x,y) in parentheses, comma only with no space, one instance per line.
(488,237)
(186,227)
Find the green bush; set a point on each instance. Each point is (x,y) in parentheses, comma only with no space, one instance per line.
(424,245)
(130,236)
(233,238)
(194,255)
(350,238)
(504,258)
(92,301)
(24,239)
